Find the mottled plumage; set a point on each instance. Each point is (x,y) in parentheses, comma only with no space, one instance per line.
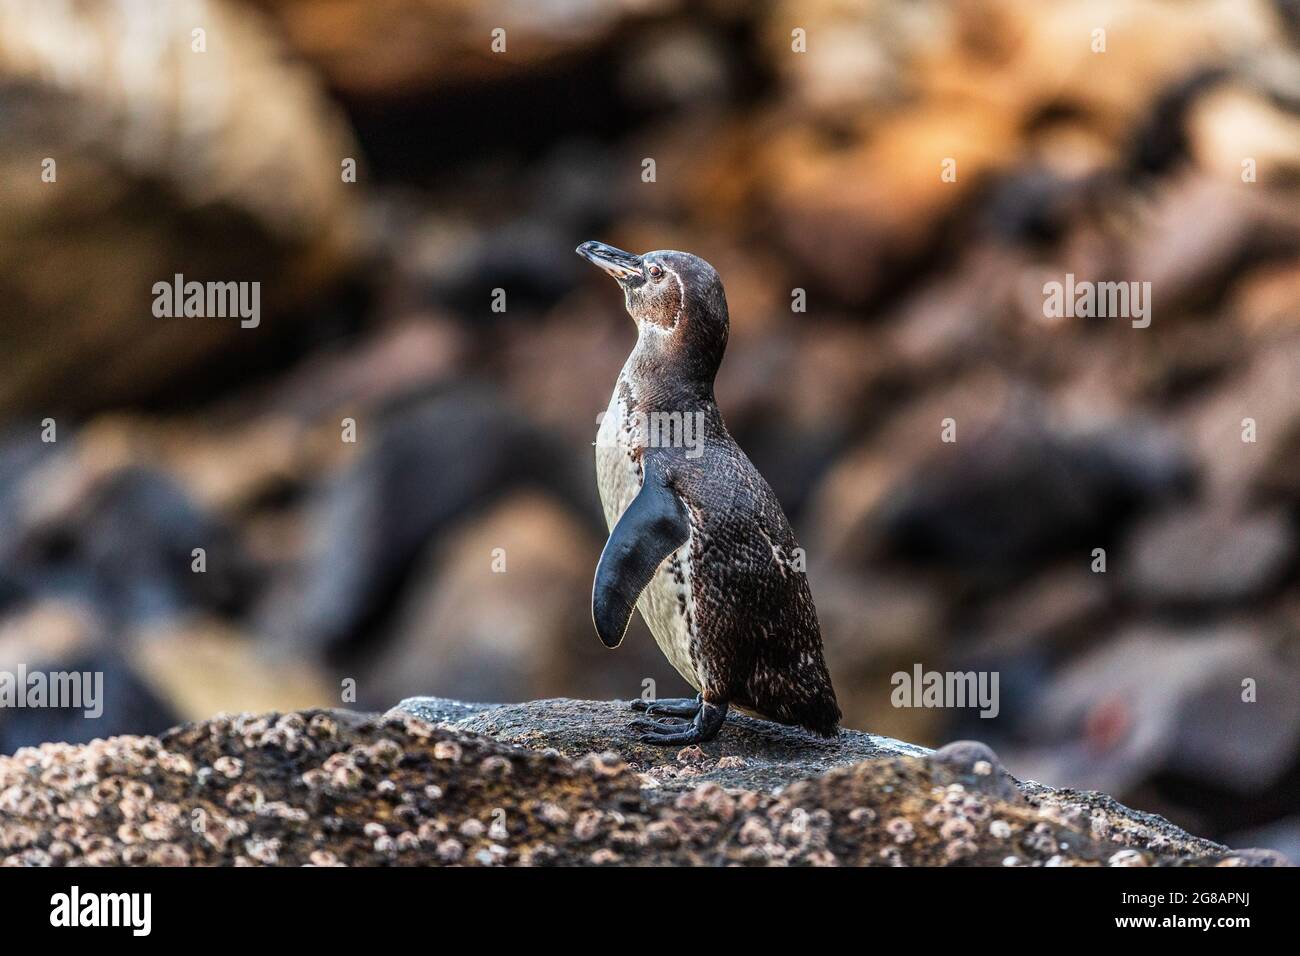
(698,539)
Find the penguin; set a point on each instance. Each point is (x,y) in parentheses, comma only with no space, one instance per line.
(698,541)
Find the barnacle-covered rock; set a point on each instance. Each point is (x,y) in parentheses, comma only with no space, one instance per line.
(331,788)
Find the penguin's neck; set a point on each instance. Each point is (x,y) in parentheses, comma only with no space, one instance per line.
(661,378)
(656,383)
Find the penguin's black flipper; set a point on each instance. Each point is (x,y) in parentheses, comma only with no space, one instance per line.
(654,525)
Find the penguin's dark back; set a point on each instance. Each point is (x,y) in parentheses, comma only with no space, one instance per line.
(754,608)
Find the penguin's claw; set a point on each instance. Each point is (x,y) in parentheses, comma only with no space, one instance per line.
(659,726)
(703,728)
(684,737)
(670,706)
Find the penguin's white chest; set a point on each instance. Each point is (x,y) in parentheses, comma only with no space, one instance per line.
(667,604)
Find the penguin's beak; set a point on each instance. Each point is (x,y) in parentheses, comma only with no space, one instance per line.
(621,265)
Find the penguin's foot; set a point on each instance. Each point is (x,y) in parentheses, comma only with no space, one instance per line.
(708,721)
(670,706)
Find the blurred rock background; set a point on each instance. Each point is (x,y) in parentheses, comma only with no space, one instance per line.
(373,561)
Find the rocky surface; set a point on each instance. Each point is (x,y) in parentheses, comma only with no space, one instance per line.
(1161,671)
(340,788)
(753,754)
(391,47)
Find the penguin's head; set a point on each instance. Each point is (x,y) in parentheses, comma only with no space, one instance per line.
(676,300)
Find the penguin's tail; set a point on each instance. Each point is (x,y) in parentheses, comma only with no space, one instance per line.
(826,726)
(823,715)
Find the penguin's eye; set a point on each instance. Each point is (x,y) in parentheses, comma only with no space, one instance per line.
(656,272)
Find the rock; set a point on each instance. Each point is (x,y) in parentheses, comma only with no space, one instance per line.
(430,463)
(21,455)
(226,467)
(327,788)
(874,625)
(1150,46)
(1046,609)
(943,323)
(1245,461)
(124,541)
(1236,121)
(591,349)
(782,759)
(1017,485)
(1000,500)
(1197,233)
(846,505)
(399,47)
(1283,835)
(203,667)
(49,630)
(222,165)
(49,637)
(854,219)
(408,353)
(888,93)
(979,768)
(1266,301)
(1209,555)
(773,755)
(131,705)
(1175,701)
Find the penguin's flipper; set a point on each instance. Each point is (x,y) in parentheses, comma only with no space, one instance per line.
(654,525)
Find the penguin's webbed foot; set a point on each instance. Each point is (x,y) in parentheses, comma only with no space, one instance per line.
(708,721)
(670,706)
